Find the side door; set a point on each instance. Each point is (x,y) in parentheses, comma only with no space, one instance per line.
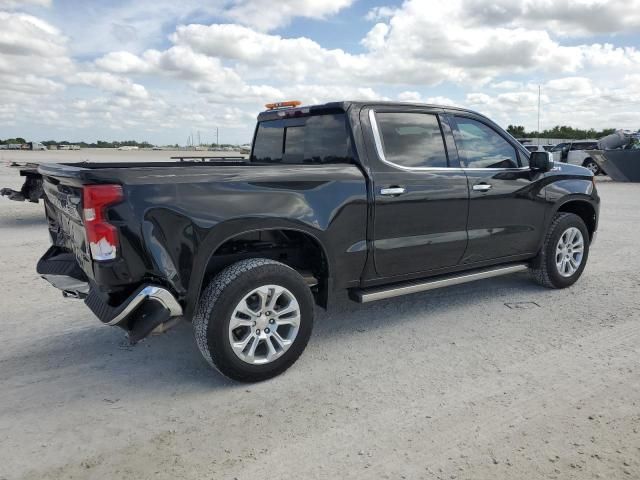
(420,193)
(576,153)
(506,208)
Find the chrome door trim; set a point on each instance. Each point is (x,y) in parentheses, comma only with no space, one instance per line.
(377,138)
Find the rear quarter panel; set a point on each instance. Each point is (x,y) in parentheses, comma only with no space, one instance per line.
(173,219)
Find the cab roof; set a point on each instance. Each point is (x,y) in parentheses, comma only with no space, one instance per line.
(345,105)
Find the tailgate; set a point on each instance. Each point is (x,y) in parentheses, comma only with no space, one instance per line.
(63,208)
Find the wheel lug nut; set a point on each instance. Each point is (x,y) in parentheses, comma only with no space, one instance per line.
(266,330)
(258,331)
(268,314)
(272,321)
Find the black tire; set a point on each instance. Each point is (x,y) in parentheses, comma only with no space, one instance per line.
(217,304)
(592,165)
(543,267)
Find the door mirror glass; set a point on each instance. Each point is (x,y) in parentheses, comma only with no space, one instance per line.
(542,161)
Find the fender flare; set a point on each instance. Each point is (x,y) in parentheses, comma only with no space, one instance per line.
(218,236)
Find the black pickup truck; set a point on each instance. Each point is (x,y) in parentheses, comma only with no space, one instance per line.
(371,199)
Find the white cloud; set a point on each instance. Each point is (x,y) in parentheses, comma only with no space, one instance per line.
(265,15)
(13,4)
(488,56)
(123,62)
(109,83)
(30,44)
(30,84)
(565,18)
(507,85)
(379,13)
(375,38)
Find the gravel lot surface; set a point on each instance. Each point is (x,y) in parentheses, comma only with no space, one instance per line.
(446,384)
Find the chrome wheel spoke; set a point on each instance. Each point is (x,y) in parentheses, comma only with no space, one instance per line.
(263,295)
(280,341)
(292,320)
(239,322)
(245,310)
(252,350)
(242,344)
(276,293)
(271,351)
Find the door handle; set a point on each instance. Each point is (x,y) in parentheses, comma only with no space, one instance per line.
(482,187)
(392,191)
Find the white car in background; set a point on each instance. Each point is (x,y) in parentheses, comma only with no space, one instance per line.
(577,153)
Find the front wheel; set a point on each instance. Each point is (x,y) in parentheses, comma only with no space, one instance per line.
(564,252)
(254,319)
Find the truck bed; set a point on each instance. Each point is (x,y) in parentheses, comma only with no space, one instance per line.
(167,217)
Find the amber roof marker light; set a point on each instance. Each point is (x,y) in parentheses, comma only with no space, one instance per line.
(288,104)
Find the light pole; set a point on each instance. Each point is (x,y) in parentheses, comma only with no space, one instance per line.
(538,115)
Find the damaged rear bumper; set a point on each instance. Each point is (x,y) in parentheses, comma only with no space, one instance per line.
(148,307)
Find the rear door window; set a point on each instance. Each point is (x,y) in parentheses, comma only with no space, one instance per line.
(318,139)
(412,139)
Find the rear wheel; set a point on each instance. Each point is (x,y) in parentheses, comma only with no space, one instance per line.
(592,165)
(564,253)
(254,319)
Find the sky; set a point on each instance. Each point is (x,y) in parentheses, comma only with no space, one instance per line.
(160,70)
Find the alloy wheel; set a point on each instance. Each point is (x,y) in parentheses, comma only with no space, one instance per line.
(569,251)
(264,324)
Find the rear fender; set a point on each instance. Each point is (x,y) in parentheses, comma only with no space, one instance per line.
(233,228)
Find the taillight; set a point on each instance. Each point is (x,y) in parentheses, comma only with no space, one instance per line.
(102,236)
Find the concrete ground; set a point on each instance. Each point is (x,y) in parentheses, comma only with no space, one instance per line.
(446,384)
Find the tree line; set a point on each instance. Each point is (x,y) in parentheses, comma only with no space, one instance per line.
(9,141)
(97,144)
(101,144)
(560,131)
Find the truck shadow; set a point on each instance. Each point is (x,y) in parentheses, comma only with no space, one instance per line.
(171,362)
(347,317)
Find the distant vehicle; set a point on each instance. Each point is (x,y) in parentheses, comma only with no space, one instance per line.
(577,153)
(14,146)
(33,146)
(128,147)
(4,147)
(68,147)
(247,248)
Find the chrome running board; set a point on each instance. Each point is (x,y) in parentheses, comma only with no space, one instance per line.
(378,293)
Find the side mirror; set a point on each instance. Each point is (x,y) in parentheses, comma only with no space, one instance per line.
(542,161)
